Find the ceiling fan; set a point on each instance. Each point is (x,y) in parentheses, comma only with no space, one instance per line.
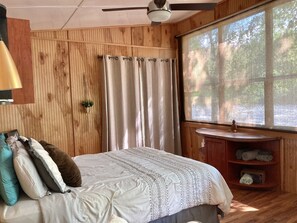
(160,10)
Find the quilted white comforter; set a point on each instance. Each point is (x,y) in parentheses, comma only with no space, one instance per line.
(139,185)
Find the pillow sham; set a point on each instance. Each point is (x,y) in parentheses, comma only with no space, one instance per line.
(44,164)
(68,168)
(26,172)
(9,185)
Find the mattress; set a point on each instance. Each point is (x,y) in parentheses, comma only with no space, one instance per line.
(137,184)
(25,210)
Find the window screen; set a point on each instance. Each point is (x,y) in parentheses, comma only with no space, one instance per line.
(244,69)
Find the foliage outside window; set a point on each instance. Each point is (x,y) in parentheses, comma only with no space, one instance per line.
(245,69)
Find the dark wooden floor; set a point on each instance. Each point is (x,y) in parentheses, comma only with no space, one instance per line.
(262,206)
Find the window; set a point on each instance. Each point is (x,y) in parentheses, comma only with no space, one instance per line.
(244,69)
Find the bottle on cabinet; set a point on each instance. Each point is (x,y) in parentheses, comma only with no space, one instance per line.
(234,126)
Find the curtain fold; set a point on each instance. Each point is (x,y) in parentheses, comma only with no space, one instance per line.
(141,104)
(121,116)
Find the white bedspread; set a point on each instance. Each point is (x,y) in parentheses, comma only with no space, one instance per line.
(139,185)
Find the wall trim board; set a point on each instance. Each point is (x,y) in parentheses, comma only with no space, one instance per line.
(221,19)
(102,43)
(223,10)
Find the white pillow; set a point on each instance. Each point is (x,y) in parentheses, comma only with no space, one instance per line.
(46,167)
(26,172)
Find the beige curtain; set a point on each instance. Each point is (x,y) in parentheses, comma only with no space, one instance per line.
(141,109)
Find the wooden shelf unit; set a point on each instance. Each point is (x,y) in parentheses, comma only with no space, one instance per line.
(221,147)
(269,185)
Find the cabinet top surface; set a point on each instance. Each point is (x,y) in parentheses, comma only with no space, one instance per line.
(233,136)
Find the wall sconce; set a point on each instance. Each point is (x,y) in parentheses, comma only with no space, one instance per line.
(9,76)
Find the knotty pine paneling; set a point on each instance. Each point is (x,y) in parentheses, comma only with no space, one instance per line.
(154,36)
(50,35)
(226,8)
(86,71)
(223,9)
(66,71)
(158,53)
(86,74)
(195,21)
(53,95)
(158,41)
(121,35)
(50,117)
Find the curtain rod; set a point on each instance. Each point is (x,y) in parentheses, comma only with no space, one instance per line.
(130,58)
(225,18)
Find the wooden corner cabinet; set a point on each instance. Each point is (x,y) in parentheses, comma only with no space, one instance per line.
(221,148)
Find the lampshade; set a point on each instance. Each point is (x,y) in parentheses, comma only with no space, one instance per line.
(9,76)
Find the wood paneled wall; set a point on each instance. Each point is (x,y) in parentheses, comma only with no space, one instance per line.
(66,71)
(222,10)
(86,70)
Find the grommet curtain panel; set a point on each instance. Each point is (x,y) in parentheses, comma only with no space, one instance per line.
(140,104)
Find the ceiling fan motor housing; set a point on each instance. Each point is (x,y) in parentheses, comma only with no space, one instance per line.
(156,14)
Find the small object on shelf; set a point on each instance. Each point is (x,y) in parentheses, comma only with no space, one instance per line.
(87,104)
(249,155)
(246,179)
(254,154)
(258,176)
(234,126)
(239,153)
(264,156)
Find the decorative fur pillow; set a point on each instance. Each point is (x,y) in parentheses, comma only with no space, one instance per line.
(69,170)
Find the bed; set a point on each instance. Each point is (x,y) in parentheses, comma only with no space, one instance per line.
(138,185)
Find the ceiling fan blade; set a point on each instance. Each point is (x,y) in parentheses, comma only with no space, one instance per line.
(193,6)
(159,3)
(123,9)
(155,23)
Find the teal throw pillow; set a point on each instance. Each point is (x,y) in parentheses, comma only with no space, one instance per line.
(9,185)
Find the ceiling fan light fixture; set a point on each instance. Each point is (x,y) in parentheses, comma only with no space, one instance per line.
(156,14)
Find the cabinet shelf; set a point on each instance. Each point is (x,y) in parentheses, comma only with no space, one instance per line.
(253,162)
(268,185)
